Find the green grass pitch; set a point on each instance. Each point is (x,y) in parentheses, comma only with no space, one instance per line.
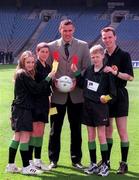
(65,170)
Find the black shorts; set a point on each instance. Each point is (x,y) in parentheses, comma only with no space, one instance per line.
(21,119)
(95,114)
(41,109)
(120,107)
(40,116)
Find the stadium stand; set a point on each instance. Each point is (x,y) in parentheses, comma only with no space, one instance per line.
(16,29)
(22,28)
(128,37)
(86,22)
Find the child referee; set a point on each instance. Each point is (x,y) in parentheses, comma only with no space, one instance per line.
(98,89)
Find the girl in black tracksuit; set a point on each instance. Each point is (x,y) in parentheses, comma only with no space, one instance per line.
(22,111)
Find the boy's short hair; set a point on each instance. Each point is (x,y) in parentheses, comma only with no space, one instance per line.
(41,45)
(97,49)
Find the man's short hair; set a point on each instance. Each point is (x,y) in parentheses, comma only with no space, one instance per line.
(108,28)
(66,22)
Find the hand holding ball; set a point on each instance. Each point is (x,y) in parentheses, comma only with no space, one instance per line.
(64,84)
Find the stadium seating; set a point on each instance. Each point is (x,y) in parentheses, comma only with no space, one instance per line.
(128,37)
(17,28)
(86,22)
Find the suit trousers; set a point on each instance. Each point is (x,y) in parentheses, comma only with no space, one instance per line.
(74,118)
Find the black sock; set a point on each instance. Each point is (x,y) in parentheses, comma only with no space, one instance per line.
(124,150)
(13,150)
(110,144)
(31,148)
(92,153)
(24,151)
(104,152)
(38,152)
(38,147)
(12,154)
(25,159)
(104,156)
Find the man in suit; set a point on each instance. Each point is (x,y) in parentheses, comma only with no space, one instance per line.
(67,47)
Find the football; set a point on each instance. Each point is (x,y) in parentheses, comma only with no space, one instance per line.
(64,84)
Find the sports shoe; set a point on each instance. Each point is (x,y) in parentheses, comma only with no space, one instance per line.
(103,170)
(78,166)
(31,170)
(31,162)
(92,169)
(108,164)
(40,165)
(52,165)
(123,168)
(12,168)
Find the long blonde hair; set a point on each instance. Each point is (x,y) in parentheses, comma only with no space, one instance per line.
(21,64)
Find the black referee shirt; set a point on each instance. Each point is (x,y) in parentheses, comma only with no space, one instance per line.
(105,82)
(122,60)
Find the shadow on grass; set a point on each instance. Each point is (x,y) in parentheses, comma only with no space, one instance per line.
(70,173)
(81,176)
(74,174)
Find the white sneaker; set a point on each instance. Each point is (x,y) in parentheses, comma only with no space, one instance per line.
(12,168)
(41,165)
(104,170)
(92,169)
(31,162)
(31,170)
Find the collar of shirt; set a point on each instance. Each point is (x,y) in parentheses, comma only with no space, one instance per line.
(115,51)
(63,42)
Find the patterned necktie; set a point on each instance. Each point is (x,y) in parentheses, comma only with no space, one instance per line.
(66,49)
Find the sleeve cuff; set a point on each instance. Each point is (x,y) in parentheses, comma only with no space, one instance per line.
(77,73)
(47,79)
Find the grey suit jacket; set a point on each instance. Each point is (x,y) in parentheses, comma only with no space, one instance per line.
(79,48)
